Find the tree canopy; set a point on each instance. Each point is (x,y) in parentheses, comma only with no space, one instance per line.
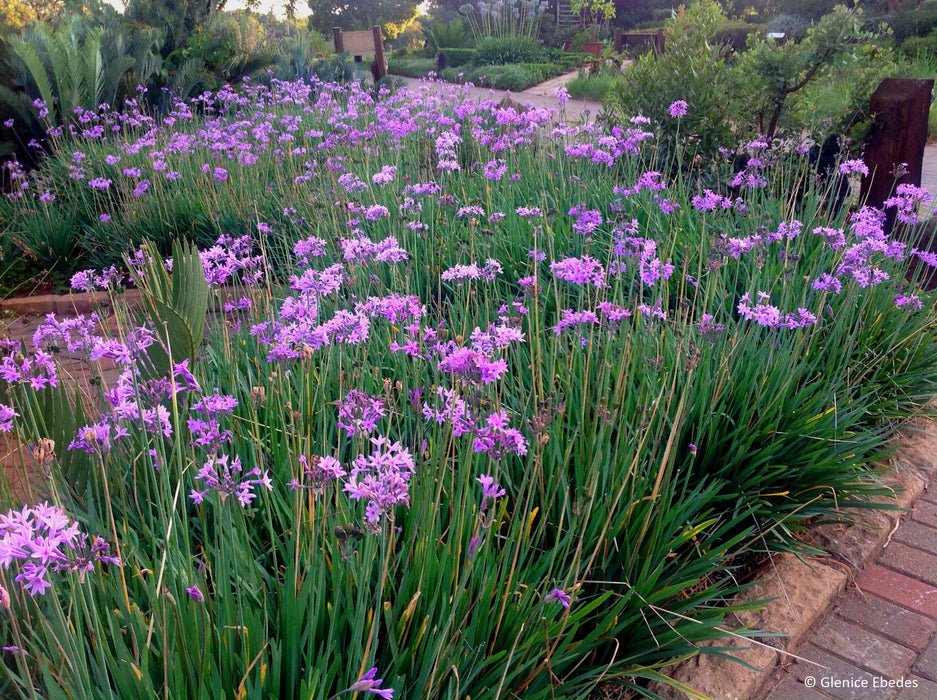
(392,15)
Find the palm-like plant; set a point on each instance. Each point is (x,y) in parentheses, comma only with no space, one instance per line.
(77,64)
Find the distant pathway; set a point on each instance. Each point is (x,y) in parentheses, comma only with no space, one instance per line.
(543,95)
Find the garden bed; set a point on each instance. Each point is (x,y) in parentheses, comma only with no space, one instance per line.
(477,361)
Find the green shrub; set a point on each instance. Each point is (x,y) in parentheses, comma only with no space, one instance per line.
(411,67)
(917,47)
(458,57)
(919,22)
(734,34)
(454,35)
(693,69)
(594,87)
(510,77)
(500,51)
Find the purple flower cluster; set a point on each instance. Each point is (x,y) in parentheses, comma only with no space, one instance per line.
(317,472)
(359,412)
(906,200)
(229,259)
(458,273)
(497,439)
(91,280)
(7,414)
(587,220)
(584,270)
(43,540)
(770,316)
(216,474)
(364,249)
(381,478)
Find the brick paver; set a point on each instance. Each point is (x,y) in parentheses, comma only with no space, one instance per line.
(925,512)
(790,689)
(905,591)
(921,689)
(842,679)
(891,621)
(927,663)
(918,535)
(867,649)
(917,563)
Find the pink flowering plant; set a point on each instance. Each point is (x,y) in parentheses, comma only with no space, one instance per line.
(442,400)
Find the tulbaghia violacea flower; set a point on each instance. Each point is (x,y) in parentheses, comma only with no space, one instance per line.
(369,684)
(827,282)
(498,439)
(652,270)
(7,414)
(770,316)
(678,109)
(37,370)
(490,490)
(913,301)
(856,165)
(587,220)
(473,365)
(363,249)
(584,270)
(42,540)
(230,480)
(72,334)
(385,176)
(906,200)
(458,273)
(307,248)
(317,472)
(454,411)
(322,282)
(709,328)
(359,412)
(572,318)
(557,595)
(381,478)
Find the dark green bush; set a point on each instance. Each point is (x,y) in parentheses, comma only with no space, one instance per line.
(919,22)
(458,57)
(411,67)
(496,51)
(917,47)
(511,77)
(454,35)
(734,34)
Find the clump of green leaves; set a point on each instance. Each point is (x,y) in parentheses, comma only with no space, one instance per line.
(694,69)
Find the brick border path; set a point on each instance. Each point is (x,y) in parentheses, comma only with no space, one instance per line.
(883,630)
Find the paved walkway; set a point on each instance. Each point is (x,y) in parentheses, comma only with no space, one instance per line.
(880,639)
(543,95)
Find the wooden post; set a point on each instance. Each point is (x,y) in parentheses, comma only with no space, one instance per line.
(379,67)
(618,40)
(337,38)
(898,135)
(659,41)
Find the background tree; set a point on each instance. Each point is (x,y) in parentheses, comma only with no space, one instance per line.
(392,15)
(178,18)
